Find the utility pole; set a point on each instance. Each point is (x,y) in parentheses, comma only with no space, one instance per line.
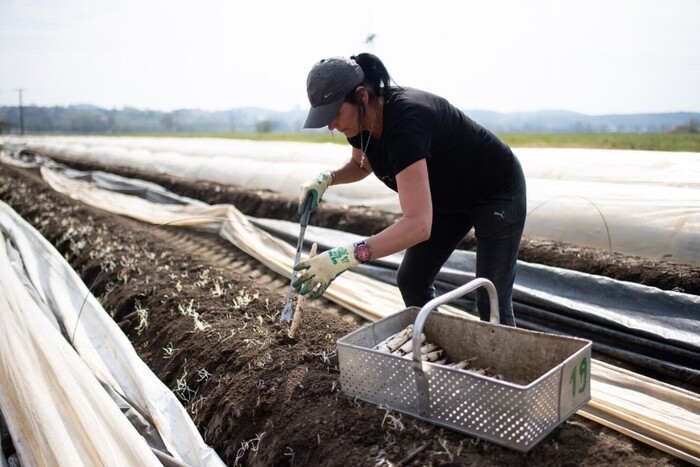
(21,113)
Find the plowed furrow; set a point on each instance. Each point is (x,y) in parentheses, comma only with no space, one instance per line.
(216,251)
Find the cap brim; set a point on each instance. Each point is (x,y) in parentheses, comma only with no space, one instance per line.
(322,115)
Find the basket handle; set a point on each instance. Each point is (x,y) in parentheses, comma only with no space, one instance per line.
(421,378)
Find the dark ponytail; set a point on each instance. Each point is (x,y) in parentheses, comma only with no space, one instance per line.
(377,79)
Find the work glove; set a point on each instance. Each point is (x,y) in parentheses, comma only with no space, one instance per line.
(315,188)
(317,272)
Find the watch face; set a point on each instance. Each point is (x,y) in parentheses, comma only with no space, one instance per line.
(363,252)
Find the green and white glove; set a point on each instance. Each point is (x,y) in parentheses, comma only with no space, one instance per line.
(315,187)
(317,272)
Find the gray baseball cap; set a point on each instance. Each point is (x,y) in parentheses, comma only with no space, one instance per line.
(328,83)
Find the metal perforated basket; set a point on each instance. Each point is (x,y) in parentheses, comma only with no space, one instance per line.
(545,377)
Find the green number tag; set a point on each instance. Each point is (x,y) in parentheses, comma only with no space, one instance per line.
(575,384)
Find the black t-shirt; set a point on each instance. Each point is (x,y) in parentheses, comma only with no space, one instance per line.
(466,162)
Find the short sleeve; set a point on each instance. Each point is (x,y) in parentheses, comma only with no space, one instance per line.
(409,142)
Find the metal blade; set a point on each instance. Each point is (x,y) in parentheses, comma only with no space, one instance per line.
(287,310)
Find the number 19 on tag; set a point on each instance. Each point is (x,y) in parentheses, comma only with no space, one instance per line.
(575,384)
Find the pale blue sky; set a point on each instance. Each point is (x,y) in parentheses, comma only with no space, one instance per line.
(589,56)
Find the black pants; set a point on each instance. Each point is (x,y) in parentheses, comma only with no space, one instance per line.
(498,224)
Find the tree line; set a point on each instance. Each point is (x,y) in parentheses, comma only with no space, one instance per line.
(86,119)
(95,120)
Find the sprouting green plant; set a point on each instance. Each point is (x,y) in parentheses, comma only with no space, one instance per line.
(243,298)
(225,337)
(182,390)
(273,317)
(252,445)
(203,278)
(187,310)
(289,452)
(190,310)
(218,290)
(254,342)
(195,406)
(451,455)
(394,420)
(123,275)
(169,350)
(203,375)
(444,444)
(326,355)
(200,324)
(142,314)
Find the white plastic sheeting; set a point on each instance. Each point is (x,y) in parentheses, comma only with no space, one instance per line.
(55,409)
(665,417)
(50,393)
(644,203)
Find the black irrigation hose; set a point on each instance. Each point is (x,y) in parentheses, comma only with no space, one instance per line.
(680,373)
(597,333)
(605,325)
(629,348)
(544,320)
(677,371)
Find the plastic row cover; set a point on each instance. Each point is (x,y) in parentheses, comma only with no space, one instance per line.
(634,202)
(73,421)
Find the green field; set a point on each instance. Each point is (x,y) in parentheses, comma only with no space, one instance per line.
(689,142)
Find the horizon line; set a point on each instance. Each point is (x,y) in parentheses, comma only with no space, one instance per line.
(297,108)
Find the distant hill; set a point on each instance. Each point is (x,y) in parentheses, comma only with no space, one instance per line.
(561,121)
(88,119)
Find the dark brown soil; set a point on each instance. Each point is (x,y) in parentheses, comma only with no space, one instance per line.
(258,397)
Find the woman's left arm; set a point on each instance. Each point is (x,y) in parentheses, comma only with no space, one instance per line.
(417,208)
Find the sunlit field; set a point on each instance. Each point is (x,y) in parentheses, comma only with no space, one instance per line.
(649,141)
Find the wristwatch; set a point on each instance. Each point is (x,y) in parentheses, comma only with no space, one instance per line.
(363,252)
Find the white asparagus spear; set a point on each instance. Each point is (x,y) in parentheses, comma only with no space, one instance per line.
(425,349)
(402,337)
(433,356)
(462,364)
(408,346)
(393,342)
